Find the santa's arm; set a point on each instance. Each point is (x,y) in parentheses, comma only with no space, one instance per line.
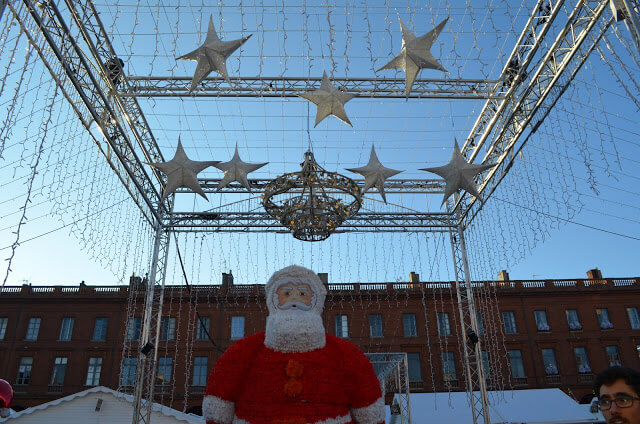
(366,399)
(225,382)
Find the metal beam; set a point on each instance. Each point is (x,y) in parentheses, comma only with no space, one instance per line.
(93,94)
(130,112)
(153,86)
(225,221)
(535,99)
(405,186)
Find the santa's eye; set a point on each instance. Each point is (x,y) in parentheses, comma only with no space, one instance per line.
(286,293)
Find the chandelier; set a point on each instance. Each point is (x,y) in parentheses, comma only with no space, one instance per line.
(312,203)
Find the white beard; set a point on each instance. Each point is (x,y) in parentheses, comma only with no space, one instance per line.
(294,331)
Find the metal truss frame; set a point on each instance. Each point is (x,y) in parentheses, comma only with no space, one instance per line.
(471,343)
(511,123)
(529,86)
(394,368)
(146,368)
(77,77)
(406,186)
(292,87)
(260,221)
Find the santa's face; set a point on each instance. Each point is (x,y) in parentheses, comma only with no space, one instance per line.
(292,295)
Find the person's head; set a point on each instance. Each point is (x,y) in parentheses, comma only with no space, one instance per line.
(295,299)
(618,392)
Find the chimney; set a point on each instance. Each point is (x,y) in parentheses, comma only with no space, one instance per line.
(227,279)
(503,275)
(594,274)
(413,277)
(324,277)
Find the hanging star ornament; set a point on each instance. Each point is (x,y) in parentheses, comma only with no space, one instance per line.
(212,56)
(182,172)
(415,54)
(458,173)
(330,101)
(237,170)
(374,174)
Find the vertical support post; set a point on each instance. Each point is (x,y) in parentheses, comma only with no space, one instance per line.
(150,337)
(474,367)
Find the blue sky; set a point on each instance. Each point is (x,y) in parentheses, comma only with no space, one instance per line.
(581,165)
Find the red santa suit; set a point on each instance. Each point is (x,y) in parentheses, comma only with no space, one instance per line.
(294,373)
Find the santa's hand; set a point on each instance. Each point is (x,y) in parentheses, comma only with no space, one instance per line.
(217,411)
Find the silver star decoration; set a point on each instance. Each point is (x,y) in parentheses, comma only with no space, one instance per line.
(182,172)
(212,55)
(415,54)
(458,173)
(237,170)
(374,174)
(330,101)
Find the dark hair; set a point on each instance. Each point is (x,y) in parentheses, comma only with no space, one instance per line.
(613,374)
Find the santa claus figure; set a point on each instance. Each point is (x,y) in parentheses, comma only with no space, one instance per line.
(293,373)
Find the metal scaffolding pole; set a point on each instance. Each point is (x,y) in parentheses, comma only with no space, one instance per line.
(471,343)
(631,20)
(150,336)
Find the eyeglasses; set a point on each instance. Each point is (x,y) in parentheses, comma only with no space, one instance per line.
(621,402)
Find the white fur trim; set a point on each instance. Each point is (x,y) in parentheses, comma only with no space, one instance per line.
(218,410)
(337,420)
(294,331)
(296,274)
(372,414)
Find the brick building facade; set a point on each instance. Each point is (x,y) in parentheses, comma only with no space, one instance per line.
(55,341)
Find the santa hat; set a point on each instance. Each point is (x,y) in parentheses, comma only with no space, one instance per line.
(296,274)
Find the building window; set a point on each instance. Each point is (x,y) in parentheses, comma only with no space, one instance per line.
(509,322)
(444,329)
(203,328)
(32,329)
(200,371)
(66,329)
(632,313)
(449,366)
(572,319)
(603,318)
(24,370)
(164,370)
(549,361)
(410,328)
(3,327)
(582,360)
(541,320)
(237,328)
(517,366)
(480,323)
(168,329)
(59,369)
(415,371)
(133,329)
(128,375)
(613,356)
(375,325)
(342,326)
(485,364)
(93,372)
(100,329)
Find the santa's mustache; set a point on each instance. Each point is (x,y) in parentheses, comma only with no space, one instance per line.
(294,305)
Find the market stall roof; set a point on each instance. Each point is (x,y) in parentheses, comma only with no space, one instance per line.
(535,406)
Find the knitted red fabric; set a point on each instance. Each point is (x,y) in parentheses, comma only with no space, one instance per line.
(269,386)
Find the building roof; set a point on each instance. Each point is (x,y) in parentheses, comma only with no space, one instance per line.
(83,407)
(535,406)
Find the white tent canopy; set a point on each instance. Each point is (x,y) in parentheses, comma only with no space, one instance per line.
(98,405)
(536,406)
